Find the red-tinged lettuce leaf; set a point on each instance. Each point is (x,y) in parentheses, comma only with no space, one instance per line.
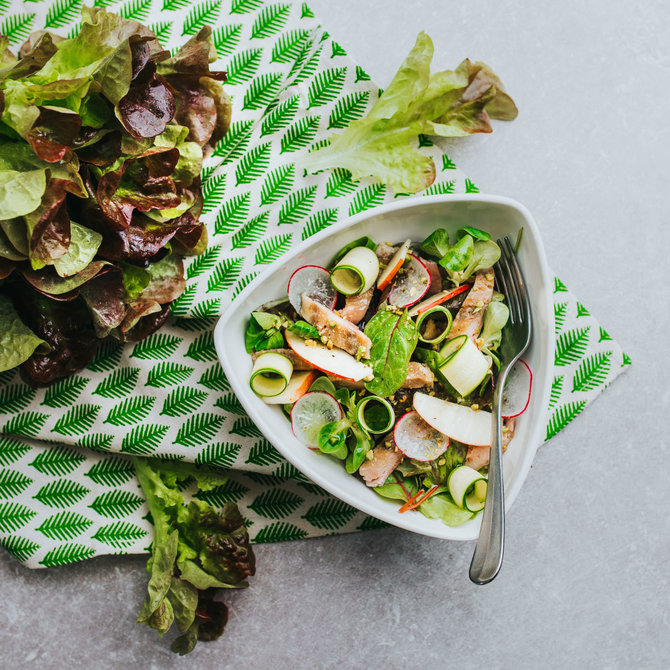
(190,241)
(34,54)
(6,268)
(65,326)
(148,106)
(166,280)
(448,104)
(17,341)
(137,310)
(53,132)
(104,152)
(7,57)
(48,282)
(145,325)
(105,298)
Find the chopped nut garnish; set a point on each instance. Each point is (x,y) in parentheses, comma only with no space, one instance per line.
(442,461)
(369,455)
(329,344)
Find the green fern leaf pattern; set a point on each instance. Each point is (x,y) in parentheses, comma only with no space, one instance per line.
(119,384)
(329,514)
(592,372)
(203,263)
(183,400)
(232,214)
(226,38)
(14,516)
(370,196)
(200,428)
(582,311)
(441,188)
(559,286)
(15,398)
(132,410)
(280,117)
(266,481)
(277,184)
(11,450)
(348,109)
(251,232)
(270,21)
(203,14)
(289,471)
(245,428)
(207,308)
(65,392)
(361,74)
(13,483)
(107,357)
(339,183)
(136,10)
(64,526)
(196,325)
(305,62)
(17,27)
(262,91)
(96,441)
(162,30)
(288,46)
(604,335)
(213,191)
(560,312)
(263,453)
(279,531)
(173,5)
(571,346)
(243,66)
(313,489)
(556,390)
(425,141)
(447,163)
(230,403)
(626,360)
(167,374)
(19,547)
(563,416)
(116,504)
(215,379)
(253,164)
(272,248)
(144,439)
(157,347)
(220,454)
(61,493)
(318,222)
(244,6)
(7,376)
(57,461)
(231,491)
(77,420)
(306,12)
(225,274)
(182,304)
(234,143)
(370,523)
(337,50)
(300,134)
(243,283)
(119,535)
(470,187)
(276,503)
(66,553)
(298,206)
(112,471)
(202,348)
(27,424)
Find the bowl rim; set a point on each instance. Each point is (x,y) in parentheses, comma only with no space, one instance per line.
(534,437)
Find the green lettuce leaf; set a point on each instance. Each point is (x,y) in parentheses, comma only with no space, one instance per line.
(448,104)
(17,341)
(83,246)
(441,506)
(495,319)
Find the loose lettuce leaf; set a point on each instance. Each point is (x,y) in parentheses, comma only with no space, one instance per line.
(166,280)
(449,104)
(394,338)
(15,230)
(20,191)
(259,338)
(49,282)
(441,506)
(7,250)
(468,256)
(105,298)
(83,246)
(437,243)
(17,341)
(495,319)
(305,330)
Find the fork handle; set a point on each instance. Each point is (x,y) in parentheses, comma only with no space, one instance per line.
(488,555)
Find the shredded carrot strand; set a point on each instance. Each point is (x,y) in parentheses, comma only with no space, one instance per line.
(422,500)
(406,506)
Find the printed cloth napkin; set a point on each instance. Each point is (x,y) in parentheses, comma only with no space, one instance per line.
(292,85)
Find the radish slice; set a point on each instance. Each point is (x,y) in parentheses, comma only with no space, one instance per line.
(310,413)
(390,271)
(410,286)
(315,282)
(458,422)
(297,387)
(333,361)
(516,396)
(437,299)
(417,440)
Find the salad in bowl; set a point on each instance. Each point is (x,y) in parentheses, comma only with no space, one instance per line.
(384,358)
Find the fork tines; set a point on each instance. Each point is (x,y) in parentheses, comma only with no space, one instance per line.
(509,277)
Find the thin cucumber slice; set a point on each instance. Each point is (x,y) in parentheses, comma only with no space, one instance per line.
(446,319)
(310,413)
(356,272)
(375,414)
(465,366)
(270,375)
(468,488)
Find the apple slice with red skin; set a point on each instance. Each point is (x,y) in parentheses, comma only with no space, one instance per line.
(437,299)
(390,271)
(332,361)
(297,387)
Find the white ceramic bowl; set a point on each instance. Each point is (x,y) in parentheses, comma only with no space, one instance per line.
(415,218)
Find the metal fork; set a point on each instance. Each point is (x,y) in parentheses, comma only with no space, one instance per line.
(488,555)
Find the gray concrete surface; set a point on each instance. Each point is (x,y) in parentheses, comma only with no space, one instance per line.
(585,580)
